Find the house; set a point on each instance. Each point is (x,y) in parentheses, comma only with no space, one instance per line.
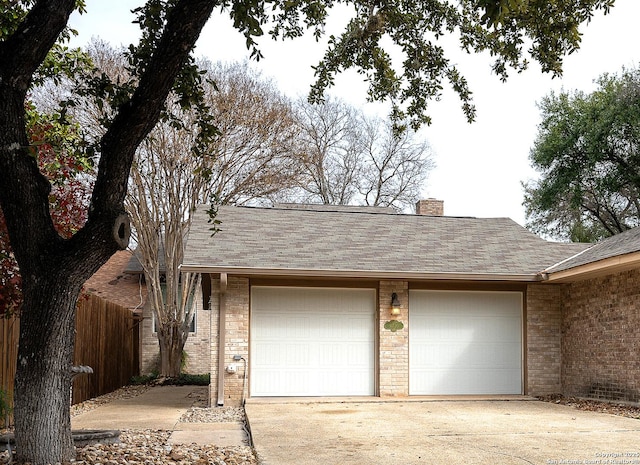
(121,281)
(196,348)
(339,301)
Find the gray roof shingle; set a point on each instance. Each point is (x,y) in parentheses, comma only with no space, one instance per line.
(620,244)
(362,243)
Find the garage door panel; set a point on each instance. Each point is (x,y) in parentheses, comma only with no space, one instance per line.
(465,342)
(359,356)
(295,328)
(312,341)
(330,355)
(467,382)
(271,382)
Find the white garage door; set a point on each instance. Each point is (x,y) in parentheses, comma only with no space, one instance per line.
(465,342)
(312,341)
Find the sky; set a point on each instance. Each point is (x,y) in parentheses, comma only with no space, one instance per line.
(480,166)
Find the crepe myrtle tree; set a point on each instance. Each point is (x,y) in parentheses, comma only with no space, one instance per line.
(163,191)
(54,267)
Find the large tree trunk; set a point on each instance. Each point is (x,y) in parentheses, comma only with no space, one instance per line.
(171,347)
(43,377)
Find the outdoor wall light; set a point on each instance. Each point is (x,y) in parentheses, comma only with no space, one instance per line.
(395,304)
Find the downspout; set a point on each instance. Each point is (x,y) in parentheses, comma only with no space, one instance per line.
(222,322)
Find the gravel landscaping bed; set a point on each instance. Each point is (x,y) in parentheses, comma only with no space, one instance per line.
(150,447)
(592,405)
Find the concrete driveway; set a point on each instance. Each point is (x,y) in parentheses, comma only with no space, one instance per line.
(439,432)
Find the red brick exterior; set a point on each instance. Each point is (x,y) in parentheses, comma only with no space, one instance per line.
(430,207)
(543,339)
(601,337)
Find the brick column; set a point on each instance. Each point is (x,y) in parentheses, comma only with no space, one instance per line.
(394,346)
(213,345)
(237,338)
(544,336)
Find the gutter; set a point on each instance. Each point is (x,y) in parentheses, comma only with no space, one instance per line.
(589,270)
(300,272)
(222,323)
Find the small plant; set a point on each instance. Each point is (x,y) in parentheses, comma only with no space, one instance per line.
(144,379)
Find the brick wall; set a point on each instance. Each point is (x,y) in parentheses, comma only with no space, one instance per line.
(149,349)
(394,346)
(237,338)
(196,347)
(601,341)
(544,339)
(198,342)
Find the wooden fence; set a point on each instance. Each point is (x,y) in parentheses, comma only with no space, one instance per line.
(9,328)
(107,339)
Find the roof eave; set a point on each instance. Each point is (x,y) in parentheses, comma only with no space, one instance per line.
(596,269)
(412,275)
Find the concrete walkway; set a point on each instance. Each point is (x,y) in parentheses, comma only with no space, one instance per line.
(439,432)
(160,408)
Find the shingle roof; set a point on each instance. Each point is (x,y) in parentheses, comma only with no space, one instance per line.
(356,242)
(111,283)
(135,267)
(620,244)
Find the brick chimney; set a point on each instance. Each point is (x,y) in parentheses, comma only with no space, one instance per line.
(430,207)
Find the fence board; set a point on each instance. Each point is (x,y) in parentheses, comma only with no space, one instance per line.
(9,331)
(107,339)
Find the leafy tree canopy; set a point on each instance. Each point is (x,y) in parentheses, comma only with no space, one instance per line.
(588,155)
(511,31)
(57,146)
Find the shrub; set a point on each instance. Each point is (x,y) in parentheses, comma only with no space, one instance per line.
(186,379)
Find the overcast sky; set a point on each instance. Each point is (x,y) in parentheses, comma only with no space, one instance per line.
(480,166)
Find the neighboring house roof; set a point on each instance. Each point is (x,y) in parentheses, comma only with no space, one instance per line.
(135,267)
(358,243)
(111,283)
(618,252)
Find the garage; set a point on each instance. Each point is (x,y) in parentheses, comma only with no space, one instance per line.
(465,342)
(312,341)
